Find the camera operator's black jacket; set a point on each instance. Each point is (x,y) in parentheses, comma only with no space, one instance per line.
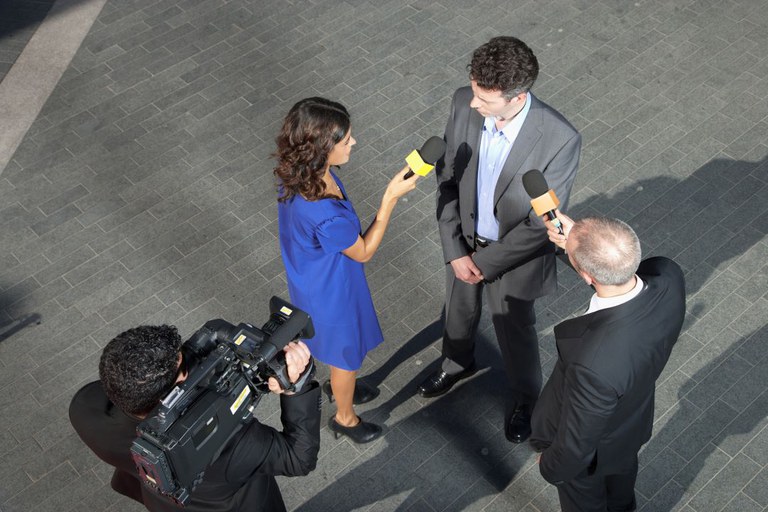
(242,478)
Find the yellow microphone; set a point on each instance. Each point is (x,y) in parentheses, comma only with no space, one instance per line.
(422,161)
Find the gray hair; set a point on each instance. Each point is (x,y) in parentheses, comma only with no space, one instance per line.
(606,249)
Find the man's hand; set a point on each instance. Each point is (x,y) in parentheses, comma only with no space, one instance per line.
(466,270)
(554,235)
(296,360)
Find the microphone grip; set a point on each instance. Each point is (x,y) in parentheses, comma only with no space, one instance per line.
(408,174)
(553,218)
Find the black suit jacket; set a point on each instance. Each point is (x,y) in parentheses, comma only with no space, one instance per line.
(241,479)
(596,410)
(546,142)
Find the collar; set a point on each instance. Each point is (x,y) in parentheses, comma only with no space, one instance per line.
(597,303)
(513,126)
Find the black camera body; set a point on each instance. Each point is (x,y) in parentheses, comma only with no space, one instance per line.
(228,369)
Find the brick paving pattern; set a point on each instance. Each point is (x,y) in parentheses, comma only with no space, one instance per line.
(143,194)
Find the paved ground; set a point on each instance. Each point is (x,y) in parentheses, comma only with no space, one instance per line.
(18,21)
(143,193)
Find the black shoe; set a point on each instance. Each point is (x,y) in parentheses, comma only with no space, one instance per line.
(517,425)
(363,432)
(364,393)
(441,382)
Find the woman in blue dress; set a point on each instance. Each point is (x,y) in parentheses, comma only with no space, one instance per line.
(324,248)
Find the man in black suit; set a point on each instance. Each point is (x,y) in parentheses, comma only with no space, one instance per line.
(498,130)
(596,410)
(137,369)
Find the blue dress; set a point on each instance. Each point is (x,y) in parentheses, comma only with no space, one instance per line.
(325,283)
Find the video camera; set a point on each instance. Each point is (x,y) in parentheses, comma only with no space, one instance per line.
(228,367)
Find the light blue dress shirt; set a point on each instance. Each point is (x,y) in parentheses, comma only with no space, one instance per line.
(494,149)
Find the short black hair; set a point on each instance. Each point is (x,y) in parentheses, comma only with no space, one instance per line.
(504,64)
(139,367)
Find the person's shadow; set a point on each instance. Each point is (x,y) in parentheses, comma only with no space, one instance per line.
(441,442)
(440,449)
(719,413)
(11,324)
(10,328)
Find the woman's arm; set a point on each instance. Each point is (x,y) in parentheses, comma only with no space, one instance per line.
(365,247)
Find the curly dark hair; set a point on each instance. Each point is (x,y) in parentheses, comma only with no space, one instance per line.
(139,367)
(504,64)
(311,129)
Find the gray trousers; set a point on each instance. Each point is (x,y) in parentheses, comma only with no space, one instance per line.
(514,321)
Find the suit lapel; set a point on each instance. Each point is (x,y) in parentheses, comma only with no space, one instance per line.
(526,140)
(474,128)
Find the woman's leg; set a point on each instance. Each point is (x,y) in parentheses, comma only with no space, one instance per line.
(343,385)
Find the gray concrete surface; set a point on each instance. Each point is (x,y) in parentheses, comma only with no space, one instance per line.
(19,20)
(142,193)
(38,68)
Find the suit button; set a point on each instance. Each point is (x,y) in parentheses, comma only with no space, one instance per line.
(469,237)
(471,215)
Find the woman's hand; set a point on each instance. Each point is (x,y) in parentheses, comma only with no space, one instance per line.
(365,246)
(399,186)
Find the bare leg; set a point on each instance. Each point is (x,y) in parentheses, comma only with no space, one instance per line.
(343,385)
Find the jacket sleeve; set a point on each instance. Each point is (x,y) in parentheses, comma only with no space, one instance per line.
(448,213)
(588,403)
(292,452)
(518,244)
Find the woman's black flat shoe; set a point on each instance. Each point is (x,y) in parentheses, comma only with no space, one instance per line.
(361,433)
(364,393)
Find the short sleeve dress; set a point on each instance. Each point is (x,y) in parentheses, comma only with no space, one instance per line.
(325,283)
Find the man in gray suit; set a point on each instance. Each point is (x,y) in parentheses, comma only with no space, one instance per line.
(492,240)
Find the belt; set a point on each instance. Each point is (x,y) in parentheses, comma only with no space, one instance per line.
(482,242)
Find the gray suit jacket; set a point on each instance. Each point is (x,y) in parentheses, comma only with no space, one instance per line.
(546,142)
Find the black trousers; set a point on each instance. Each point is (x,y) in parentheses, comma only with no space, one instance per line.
(514,321)
(600,493)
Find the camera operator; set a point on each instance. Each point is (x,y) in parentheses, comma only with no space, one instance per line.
(138,368)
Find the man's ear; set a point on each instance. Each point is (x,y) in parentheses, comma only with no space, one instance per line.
(182,376)
(587,278)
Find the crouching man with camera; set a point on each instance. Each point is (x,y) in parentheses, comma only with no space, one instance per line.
(141,389)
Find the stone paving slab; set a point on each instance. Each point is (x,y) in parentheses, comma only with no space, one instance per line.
(143,193)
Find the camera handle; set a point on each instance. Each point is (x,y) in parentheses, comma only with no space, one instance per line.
(281,374)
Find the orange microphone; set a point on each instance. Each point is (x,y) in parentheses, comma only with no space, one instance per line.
(543,199)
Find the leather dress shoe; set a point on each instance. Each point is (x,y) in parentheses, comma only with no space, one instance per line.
(364,393)
(363,432)
(517,425)
(441,382)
